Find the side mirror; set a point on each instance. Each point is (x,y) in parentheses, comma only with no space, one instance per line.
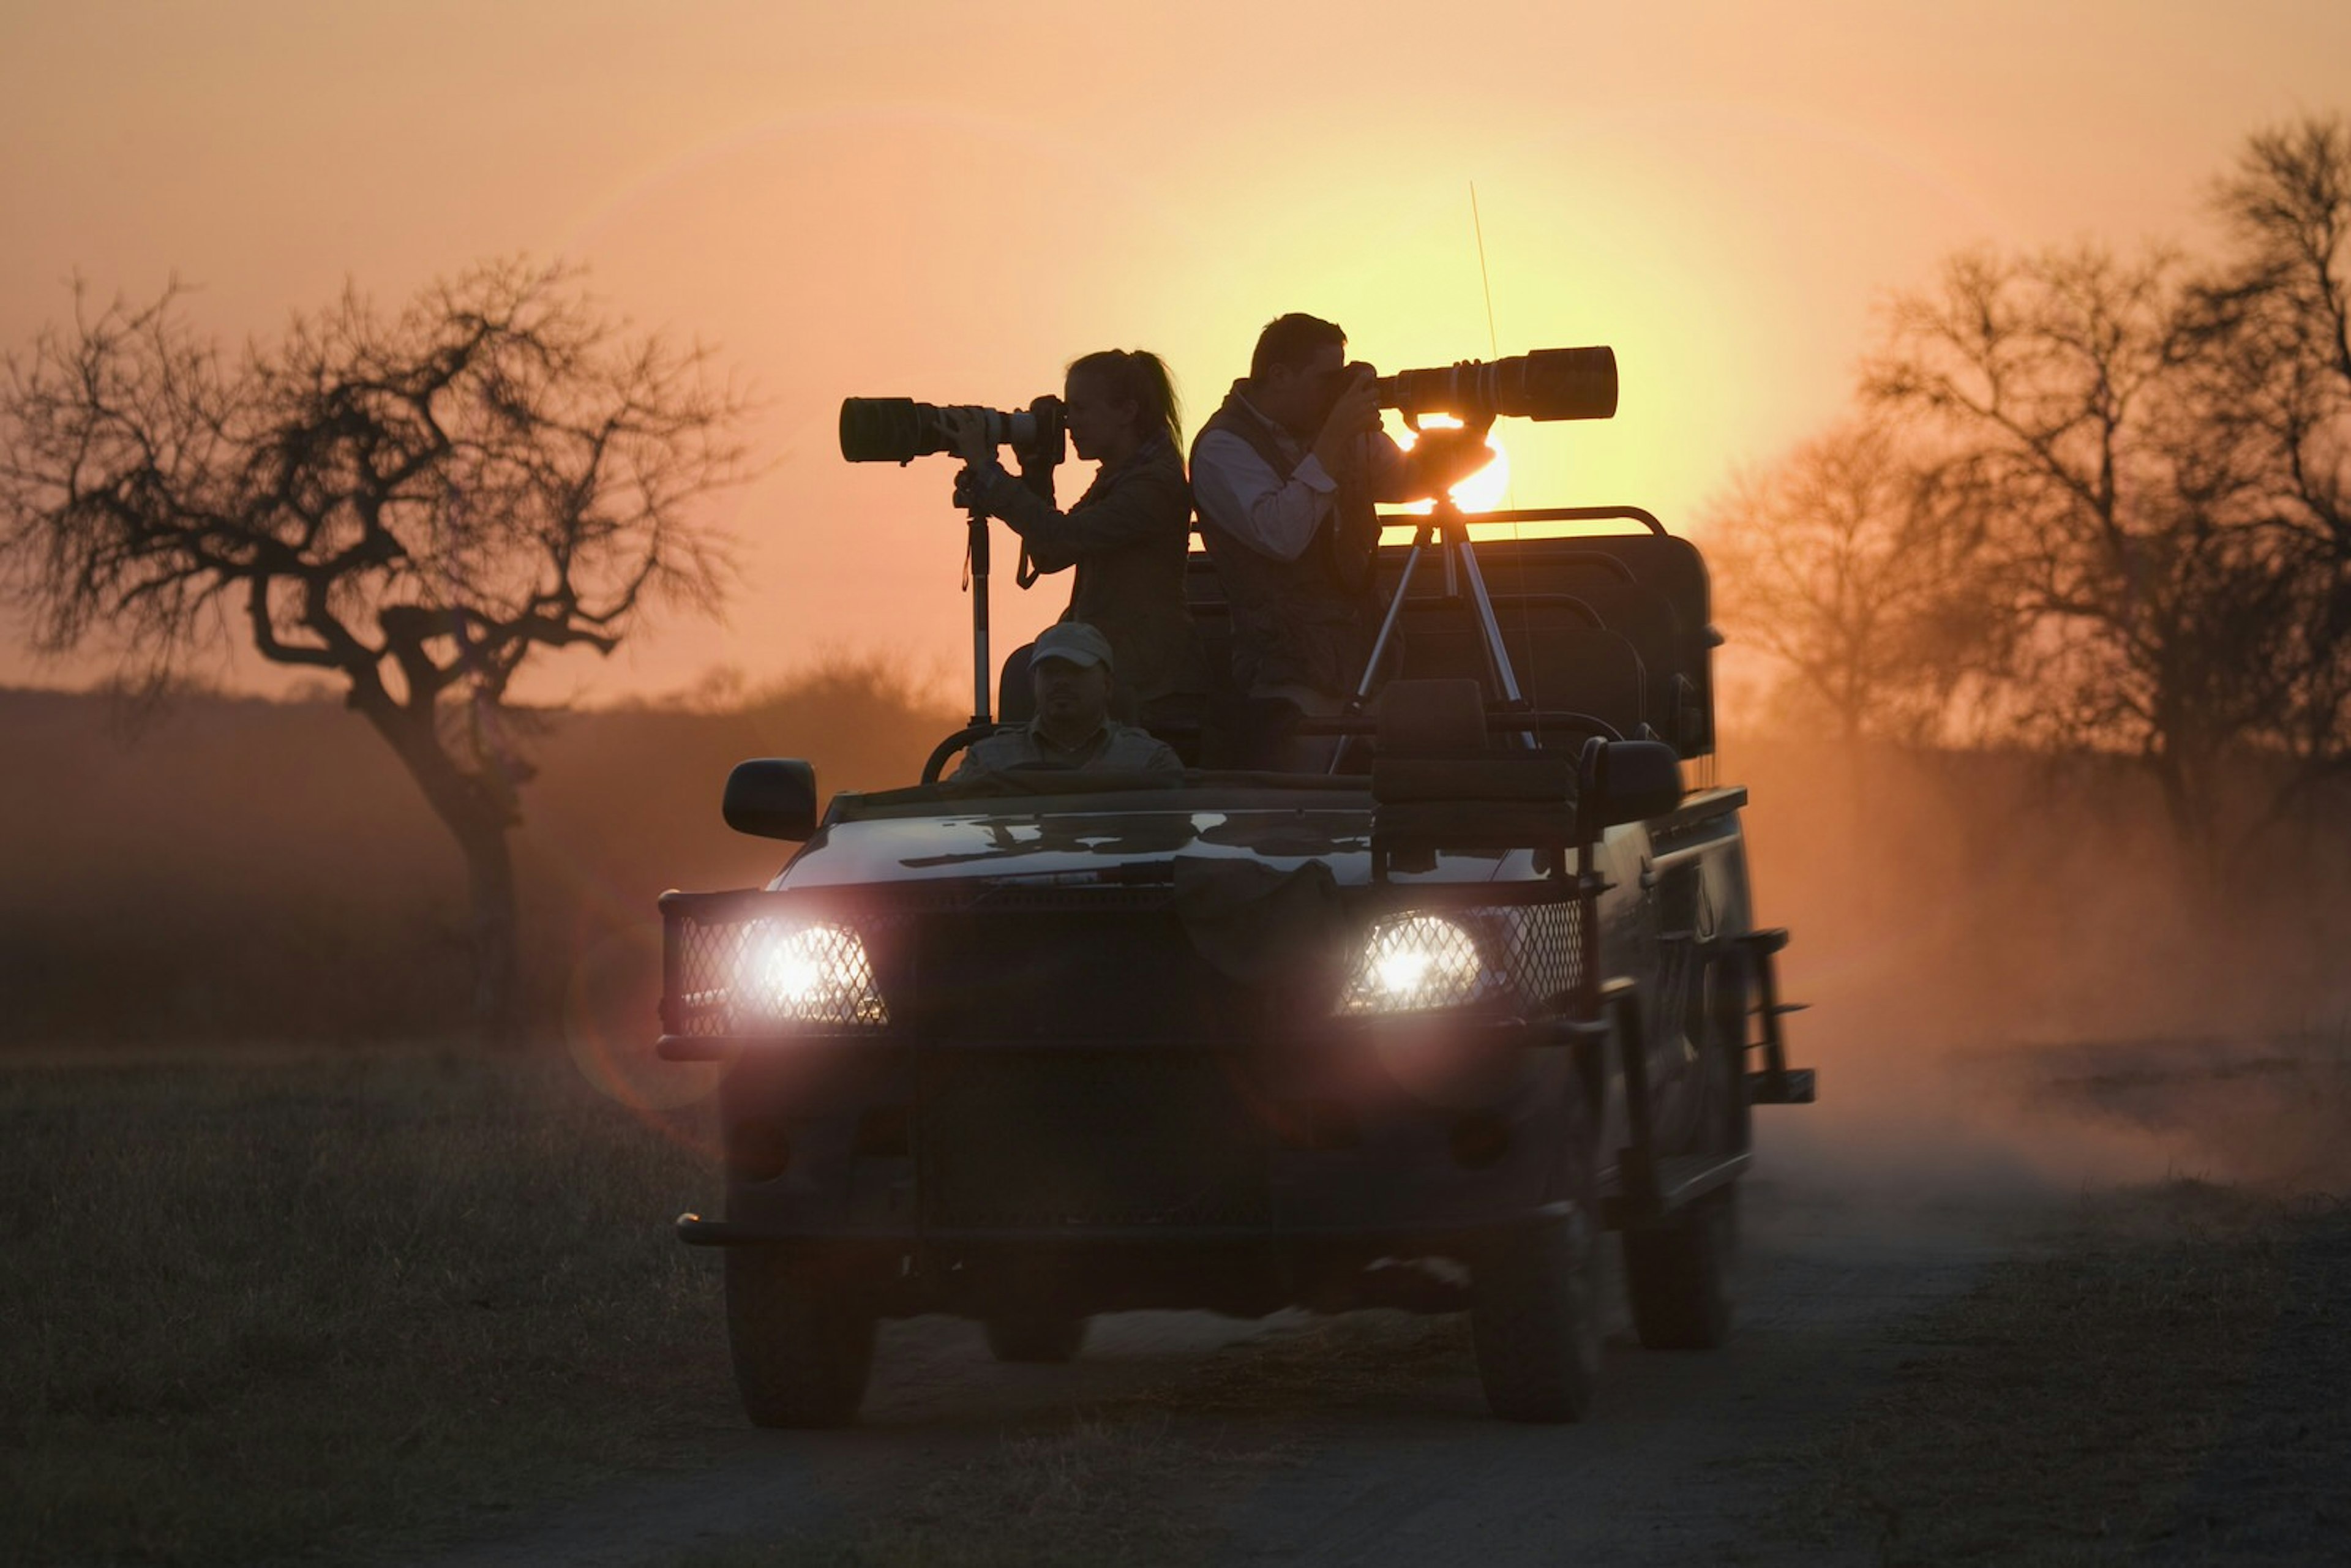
(772,798)
(1629,780)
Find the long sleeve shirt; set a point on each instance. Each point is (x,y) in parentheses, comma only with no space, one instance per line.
(1241,493)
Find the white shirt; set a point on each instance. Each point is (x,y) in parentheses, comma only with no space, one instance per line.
(1239,492)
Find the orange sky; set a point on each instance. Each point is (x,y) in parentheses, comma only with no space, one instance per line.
(929,200)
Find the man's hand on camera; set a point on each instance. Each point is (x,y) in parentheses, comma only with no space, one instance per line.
(1356,414)
(1444,457)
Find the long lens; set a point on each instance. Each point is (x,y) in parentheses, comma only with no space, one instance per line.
(889,429)
(899,429)
(1548,383)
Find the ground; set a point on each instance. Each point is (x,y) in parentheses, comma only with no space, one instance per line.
(407,1306)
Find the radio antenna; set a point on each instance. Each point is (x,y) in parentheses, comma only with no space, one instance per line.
(1493,344)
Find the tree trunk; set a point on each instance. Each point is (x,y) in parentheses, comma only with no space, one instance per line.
(496,931)
(480,822)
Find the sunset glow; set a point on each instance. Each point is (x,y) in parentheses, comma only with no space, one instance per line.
(951,210)
(1483,491)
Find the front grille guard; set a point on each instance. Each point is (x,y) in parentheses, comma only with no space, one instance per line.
(754,964)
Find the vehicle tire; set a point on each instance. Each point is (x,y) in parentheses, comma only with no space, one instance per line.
(802,1351)
(1534,1303)
(1677,1273)
(1678,1269)
(1050,1338)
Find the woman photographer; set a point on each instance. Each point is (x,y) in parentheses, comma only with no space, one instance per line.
(1125,538)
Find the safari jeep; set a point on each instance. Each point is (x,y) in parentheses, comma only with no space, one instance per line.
(1410,1033)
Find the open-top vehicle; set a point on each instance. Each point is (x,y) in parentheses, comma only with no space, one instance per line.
(1408,1033)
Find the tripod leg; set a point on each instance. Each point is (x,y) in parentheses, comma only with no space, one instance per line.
(1387,623)
(1504,676)
(1380,643)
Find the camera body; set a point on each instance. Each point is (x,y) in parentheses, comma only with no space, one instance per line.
(899,430)
(1545,384)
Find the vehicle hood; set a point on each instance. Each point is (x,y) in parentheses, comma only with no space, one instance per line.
(1032,842)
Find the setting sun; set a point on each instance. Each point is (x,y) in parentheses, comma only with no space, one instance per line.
(1481,492)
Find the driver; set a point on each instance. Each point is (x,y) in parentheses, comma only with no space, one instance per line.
(1070,672)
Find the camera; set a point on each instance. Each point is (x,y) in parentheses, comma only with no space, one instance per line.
(1547,383)
(899,430)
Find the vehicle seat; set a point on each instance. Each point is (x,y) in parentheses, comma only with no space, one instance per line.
(1015,700)
(1432,718)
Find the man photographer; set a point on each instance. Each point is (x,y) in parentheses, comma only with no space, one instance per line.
(1288,474)
(1069,671)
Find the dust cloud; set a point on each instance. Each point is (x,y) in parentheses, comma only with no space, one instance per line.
(2025,984)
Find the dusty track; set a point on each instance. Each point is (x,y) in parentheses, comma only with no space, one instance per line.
(1675,1463)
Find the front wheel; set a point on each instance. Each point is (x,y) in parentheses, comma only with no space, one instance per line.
(802,1351)
(1677,1273)
(1534,1298)
(1677,1269)
(1534,1320)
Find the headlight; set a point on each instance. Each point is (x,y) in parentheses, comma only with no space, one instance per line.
(1414,963)
(806,974)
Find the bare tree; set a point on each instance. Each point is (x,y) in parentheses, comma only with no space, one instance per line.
(2271,331)
(1844,562)
(2064,392)
(415,505)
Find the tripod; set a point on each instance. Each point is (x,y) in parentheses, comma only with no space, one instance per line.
(976,564)
(1450,531)
(1036,465)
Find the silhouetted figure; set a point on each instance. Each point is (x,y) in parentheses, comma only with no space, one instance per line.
(1070,670)
(1125,536)
(1288,474)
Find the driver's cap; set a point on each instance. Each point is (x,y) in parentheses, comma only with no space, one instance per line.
(1074,641)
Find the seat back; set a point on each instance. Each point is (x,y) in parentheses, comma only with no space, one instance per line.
(1016,699)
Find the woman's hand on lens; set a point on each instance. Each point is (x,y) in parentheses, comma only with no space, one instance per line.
(967,428)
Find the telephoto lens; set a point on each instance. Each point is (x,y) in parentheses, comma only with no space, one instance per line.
(1543,384)
(889,429)
(899,429)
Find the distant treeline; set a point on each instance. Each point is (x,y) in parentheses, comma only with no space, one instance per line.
(245,870)
(233,868)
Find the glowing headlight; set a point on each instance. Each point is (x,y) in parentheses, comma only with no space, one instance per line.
(1417,961)
(808,974)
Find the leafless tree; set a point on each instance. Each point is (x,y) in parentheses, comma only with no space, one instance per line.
(2270,331)
(415,505)
(2063,393)
(1844,562)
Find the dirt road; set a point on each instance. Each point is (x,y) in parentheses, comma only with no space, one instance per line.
(1365,1440)
(1182,1437)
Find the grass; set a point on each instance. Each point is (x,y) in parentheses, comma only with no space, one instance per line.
(349,1306)
(311,1307)
(2097,1403)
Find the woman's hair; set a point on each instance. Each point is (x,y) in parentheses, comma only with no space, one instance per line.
(1140,377)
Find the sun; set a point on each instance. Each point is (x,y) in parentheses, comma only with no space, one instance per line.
(1481,492)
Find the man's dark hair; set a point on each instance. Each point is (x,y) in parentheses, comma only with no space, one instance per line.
(1291,341)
